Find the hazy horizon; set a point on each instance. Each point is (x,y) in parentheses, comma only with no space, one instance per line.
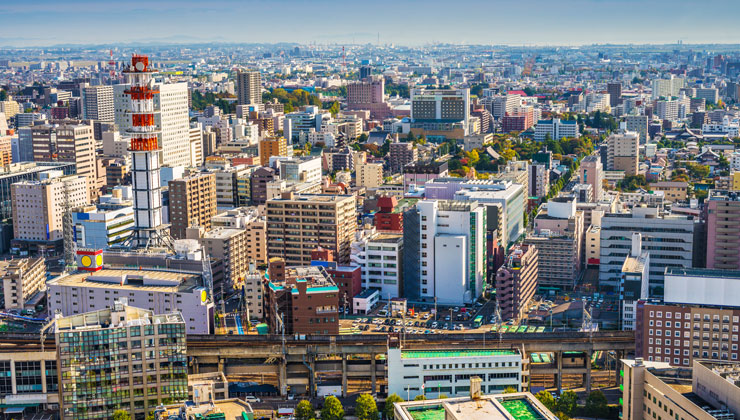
(410,22)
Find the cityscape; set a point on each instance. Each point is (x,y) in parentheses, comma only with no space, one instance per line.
(368,221)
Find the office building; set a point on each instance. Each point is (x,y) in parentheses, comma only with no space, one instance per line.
(248,87)
(637,124)
(136,361)
(171,118)
(328,221)
(516,281)
(475,407)
(300,300)
(657,229)
(68,141)
(192,203)
(710,95)
(400,155)
(380,256)
(26,171)
(453,252)
(440,113)
(196,145)
(97,103)
(591,172)
(501,105)
(673,191)
(634,281)
(23,279)
(298,168)
(39,206)
(422,172)
(369,175)
(272,146)
(723,236)
(434,372)
(311,118)
(623,153)
(558,237)
(160,290)
(706,390)
(108,224)
(556,129)
(615,93)
(520,119)
(29,381)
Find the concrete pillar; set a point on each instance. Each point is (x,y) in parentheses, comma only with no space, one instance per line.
(373,374)
(196,366)
(587,376)
(283,377)
(619,354)
(221,365)
(344,375)
(312,378)
(559,375)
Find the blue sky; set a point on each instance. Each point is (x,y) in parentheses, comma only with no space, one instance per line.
(405,22)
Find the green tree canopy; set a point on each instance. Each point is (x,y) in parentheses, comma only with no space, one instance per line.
(596,405)
(510,390)
(332,409)
(388,407)
(567,403)
(121,415)
(547,400)
(366,408)
(304,411)
(420,398)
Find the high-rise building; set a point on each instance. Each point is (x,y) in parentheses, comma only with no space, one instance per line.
(592,173)
(440,112)
(369,94)
(258,181)
(248,87)
(39,206)
(623,153)
(516,281)
(109,223)
(67,141)
(657,229)
(22,279)
(97,103)
(238,248)
(667,88)
(196,145)
(558,237)
(296,225)
(272,146)
(615,93)
(192,203)
(722,212)
(637,124)
(453,250)
(380,256)
(539,180)
(171,118)
(137,362)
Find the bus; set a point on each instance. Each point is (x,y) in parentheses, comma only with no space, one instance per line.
(478,321)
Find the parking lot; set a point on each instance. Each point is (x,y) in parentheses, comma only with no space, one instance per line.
(421,319)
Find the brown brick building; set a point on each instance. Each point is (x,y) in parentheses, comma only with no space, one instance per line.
(304,297)
(192,203)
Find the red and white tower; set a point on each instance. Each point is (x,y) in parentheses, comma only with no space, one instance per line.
(149,230)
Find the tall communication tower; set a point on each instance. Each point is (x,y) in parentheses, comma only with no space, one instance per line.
(70,246)
(149,231)
(112,66)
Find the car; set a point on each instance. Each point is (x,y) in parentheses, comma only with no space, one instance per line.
(456,309)
(427,332)
(251,399)
(447,318)
(291,397)
(434,324)
(416,324)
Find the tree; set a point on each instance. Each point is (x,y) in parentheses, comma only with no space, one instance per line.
(567,403)
(420,398)
(388,407)
(366,408)
(121,415)
(334,109)
(596,405)
(510,390)
(3,95)
(332,409)
(304,410)
(547,400)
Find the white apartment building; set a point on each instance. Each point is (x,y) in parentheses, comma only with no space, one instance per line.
(298,168)
(729,128)
(195,134)
(453,250)
(556,129)
(668,87)
(379,255)
(435,372)
(539,180)
(171,117)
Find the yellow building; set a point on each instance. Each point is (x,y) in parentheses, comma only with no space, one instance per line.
(274,146)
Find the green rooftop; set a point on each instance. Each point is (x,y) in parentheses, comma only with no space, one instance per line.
(427,354)
(521,409)
(436,412)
